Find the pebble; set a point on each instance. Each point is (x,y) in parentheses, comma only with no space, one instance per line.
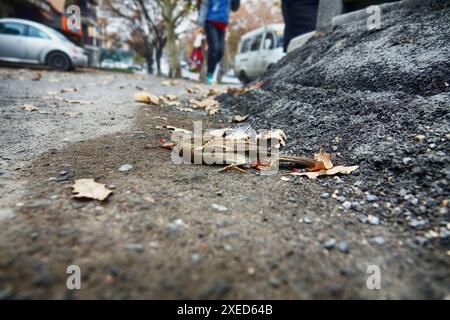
(125,168)
(307,220)
(347,205)
(421,240)
(174,227)
(325,195)
(415,223)
(195,257)
(330,244)
(343,246)
(340,199)
(378,240)
(219,193)
(63,173)
(219,207)
(362,218)
(6,214)
(407,160)
(134,246)
(227,248)
(373,220)
(371,197)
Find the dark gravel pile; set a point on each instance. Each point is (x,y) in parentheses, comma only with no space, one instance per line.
(379,99)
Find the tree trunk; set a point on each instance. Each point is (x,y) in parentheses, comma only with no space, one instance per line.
(174,61)
(149,59)
(158,61)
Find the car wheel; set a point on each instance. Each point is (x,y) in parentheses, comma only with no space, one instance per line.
(59,61)
(243,77)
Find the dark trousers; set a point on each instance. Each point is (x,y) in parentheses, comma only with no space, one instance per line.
(216,45)
(299,17)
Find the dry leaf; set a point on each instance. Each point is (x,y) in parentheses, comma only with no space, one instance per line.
(330,172)
(29,107)
(193,90)
(213,92)
(69,90)
(146,97)
(72,114)
(238,118)
(323,161)
(37,77)
(88,188)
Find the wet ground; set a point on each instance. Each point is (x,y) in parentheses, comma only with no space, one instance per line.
(177,231)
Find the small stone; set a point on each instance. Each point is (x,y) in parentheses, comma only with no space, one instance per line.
(371,197)
(330,244)
(134,246)
(126,168)
(373,220)
(219,193)
(378,240)
(421,240)
(63,173)
(195,257)
(343,246)
(307,220)
(219,207)
(340,199)
(325,195)
(407,160)
(356,206)
(415,223)
(362,218)
(6,214)
(227,248)
(174,227)
(347,205)
(54,197)
(275,282)
(420,137)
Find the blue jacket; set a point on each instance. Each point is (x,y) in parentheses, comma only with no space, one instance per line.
(216,10)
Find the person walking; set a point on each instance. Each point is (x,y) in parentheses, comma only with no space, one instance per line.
(213,20)
(299,17)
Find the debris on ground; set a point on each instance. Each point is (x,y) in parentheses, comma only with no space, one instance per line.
(88,188)
(29,107)
(241,147)
(146,97)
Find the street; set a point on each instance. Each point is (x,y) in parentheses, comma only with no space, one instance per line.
(173,231)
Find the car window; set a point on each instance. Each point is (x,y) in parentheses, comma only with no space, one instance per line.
(12,28)
(36,33)
(256,43)
(269,41)
(246,45)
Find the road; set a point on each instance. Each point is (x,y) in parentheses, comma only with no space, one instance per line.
(173,231)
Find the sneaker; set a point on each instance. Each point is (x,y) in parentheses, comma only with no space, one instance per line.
(210,79)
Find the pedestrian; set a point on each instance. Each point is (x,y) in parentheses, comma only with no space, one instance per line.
(299,17)
(213,20)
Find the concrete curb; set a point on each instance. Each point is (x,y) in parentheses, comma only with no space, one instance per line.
(362,14)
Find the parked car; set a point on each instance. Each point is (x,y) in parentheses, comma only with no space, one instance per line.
(258,50)
(32,42)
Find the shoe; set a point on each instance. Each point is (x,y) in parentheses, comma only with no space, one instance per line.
(209,79)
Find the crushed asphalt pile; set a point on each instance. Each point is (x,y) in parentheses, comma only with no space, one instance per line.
(379,99)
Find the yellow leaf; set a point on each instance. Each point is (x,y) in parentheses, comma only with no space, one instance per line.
(330,172)
(146,97)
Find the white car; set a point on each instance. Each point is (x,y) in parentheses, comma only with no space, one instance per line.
(258,50)
(31,42)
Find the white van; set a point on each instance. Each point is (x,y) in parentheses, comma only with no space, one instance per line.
(258,50)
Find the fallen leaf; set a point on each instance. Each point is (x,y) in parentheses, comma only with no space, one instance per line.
(29,107)
(69,90)
(88,188)
(213,92)
(238,118)
(192,90)
(72,114)
(37,77)
(323,161)
(330,172)
(146,97)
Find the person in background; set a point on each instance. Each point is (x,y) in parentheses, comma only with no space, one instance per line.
(213,20)
(299,17)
